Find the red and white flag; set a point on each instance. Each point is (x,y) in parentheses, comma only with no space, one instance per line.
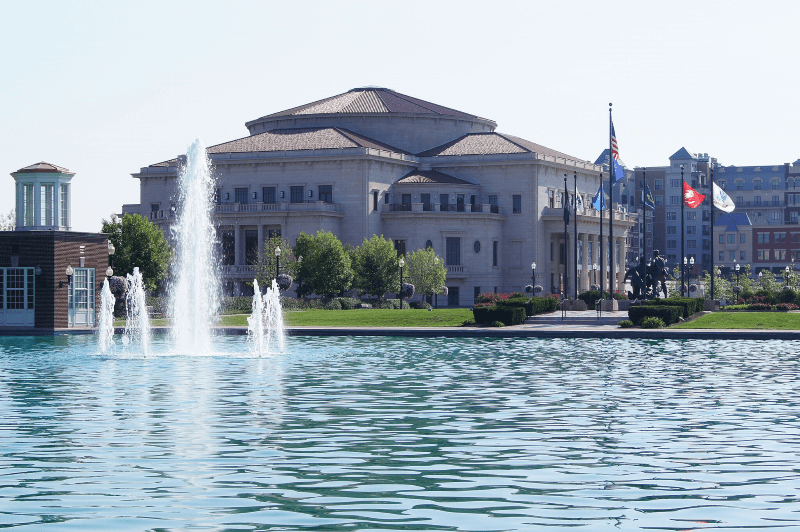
(691,197)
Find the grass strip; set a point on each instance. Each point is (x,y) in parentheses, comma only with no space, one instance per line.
(353,318)
(744,320)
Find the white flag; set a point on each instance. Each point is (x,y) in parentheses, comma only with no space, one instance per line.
(722,201)
(579,207)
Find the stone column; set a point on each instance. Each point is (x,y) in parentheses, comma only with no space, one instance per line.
(585,264)
(623,249)
(237,244)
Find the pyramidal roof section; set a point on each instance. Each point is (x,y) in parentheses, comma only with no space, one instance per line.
(370,100)
(314,138)
(43,167)
(683,153)
(492,143)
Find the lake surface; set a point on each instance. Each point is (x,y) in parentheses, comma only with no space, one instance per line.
(398,434)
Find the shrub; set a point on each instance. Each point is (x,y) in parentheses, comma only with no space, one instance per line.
(759,306)
(390,304)
(498,324)
(420,305)
(349,303)
(785,307)
(651,322)
(509,315)
(333,304)
(767,296)
(540,305)
(787,295)
(666,313)
(625,324)
(237,305)
(737,307)
(690,305)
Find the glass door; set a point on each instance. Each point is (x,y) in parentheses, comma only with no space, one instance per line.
(81,298)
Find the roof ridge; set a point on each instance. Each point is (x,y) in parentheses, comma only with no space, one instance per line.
(425,104)
(350,134)
(517,144)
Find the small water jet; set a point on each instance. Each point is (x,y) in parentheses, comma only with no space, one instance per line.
(255,323)
(273,317)
(105,329)
(137,322)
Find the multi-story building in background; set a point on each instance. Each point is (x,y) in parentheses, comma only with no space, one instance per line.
(372,161)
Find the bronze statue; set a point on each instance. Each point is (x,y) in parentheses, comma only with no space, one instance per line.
(657,273)
(637,275)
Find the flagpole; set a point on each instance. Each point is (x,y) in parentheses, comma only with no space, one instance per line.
(644,225)
(566,241)
(683,251)
(611,247)
(711,173)
(602,255)
(575,244)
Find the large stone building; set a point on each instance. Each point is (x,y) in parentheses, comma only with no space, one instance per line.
(374,161)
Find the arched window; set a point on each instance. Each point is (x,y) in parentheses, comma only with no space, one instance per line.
(428,244)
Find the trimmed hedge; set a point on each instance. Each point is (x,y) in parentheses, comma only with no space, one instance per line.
(509,315)
(532,306)
(667,314)
(690,305)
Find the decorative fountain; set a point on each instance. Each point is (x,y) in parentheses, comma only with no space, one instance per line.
(137,322)
(265,331)
(105,330)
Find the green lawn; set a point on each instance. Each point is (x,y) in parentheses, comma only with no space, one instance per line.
(744,320)
(356,318)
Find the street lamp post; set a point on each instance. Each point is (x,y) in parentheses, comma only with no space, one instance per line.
(683,277)
(691,267)
(533,279)
(299,279)
(787,275)
(111,251)
(594,273)
(760,281)
(277,263)
(400,294)
(436,291)
(737,283)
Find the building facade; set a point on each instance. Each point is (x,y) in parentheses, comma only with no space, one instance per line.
(374,161)
(50,277)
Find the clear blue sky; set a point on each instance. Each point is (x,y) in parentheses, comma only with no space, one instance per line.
(104,88)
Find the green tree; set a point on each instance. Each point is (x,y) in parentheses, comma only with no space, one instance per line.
(265,268)
(426,271)
(375,269)
(325,269)
(722,287)
(139,243)
(8,222)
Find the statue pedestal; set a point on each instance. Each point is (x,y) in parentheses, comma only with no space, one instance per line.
(574,304)
(711,304)
(609,305)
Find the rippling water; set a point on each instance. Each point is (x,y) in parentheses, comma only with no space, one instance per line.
(400,434)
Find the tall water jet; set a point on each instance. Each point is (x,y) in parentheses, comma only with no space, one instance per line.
(137,322)
(273,317)
(105,330)
(255,323)
(194,291)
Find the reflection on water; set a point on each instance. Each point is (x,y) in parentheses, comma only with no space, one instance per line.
(400,434)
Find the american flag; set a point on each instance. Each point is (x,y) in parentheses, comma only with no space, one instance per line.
(614,147)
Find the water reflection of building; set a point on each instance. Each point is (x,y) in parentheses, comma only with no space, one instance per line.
(373,161)
(36,292)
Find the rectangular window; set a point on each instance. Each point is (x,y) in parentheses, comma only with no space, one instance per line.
(517,203)
(762,254)
(444,202)
(268,194)
(672,230)
(721,238)
(722,184)
(296,194)
(659,201)
(780,238)
(743,238)
(240,195)
(739,184)
(453,251)
(691,230)
(691,215)
(386,198)
(776,216)
(154,207)
(733,255)
(493,207)
(325,193)
(251,246)
(763,238)
(453,296)
(426,202)
(228,247)
(721,255)
(757,184)
(776,200)
(672,215)
(460,202)
(46,208)
(672,244)
(793,216)
(476,291)
(400,247)
(731,239)
(674,200)
(375,200)
(742,255)
(63,205)
(776,184)
(551,198)
(780,254)
(691,244)
(406,199)
(675,183)
(658,184)
(494,253)
(28,201)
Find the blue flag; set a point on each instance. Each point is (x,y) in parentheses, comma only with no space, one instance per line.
(599,199)
(619,173)
(615,168)
(647,197)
